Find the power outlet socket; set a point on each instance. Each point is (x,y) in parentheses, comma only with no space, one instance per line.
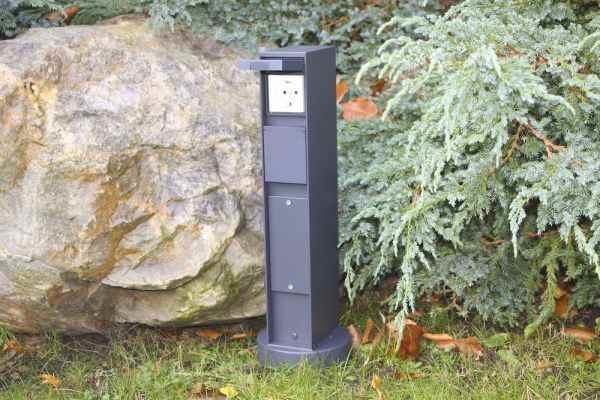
(286,93)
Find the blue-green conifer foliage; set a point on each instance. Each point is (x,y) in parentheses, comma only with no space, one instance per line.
(485,182)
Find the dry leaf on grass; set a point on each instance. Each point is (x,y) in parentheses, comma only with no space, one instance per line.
(469,346)
(359,108)
(411,337)
(434,337)
(13,345)
(355,335)
(242,335)
(341,88)
(209,334)
(201,391)
(50,379)
(544,366)
(584,355)
(446,4)
(410,344)
(582,335)
(561,309)
(64,16)
(377,87)
(228,391)
(407,376)
(368,331)
(376,385)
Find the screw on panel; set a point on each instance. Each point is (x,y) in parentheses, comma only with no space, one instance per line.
(294,335)
(288,203)
(290,287)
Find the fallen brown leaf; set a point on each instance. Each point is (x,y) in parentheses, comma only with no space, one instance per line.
(242,335)
(65,15)
(561,310)
(469,346)
(201,391)
(366,338)
(355,335)
(359,108)
(434,337)
(228,391)
(544,365)
(584,355)
(376,385)
(407,376)
(341,88)
(13,345)
(582,335)
(446,4)
(209,334)
(410,344)
(377,87)
(50,379)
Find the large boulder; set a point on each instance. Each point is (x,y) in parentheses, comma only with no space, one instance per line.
(129,180)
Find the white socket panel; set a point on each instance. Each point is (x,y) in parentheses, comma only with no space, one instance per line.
(285,93)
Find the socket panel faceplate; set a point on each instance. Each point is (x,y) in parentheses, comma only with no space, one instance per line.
(285,93)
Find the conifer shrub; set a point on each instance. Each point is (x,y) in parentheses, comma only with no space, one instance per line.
(484,183)
(17,15)
(350,25)
(482,180)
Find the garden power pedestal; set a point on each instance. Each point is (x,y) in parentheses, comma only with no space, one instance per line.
(300,192)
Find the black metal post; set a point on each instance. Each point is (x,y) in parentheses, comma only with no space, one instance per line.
(300,192)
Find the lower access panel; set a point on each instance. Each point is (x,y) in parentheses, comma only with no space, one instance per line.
(288,322)
(288,246)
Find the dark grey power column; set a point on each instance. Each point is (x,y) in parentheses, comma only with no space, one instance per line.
(300,189)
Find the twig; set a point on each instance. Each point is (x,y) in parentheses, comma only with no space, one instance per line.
(551,147)
(417,195)
(513,146)
(490,241)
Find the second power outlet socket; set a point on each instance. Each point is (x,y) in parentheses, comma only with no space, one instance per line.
(286,93)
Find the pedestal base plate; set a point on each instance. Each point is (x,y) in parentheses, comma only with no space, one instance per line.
(333,348)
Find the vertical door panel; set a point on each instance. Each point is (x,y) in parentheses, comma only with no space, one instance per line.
(288,249)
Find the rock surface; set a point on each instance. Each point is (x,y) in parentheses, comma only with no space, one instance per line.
(129,180)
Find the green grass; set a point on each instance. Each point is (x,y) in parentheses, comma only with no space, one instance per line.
(141,363)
